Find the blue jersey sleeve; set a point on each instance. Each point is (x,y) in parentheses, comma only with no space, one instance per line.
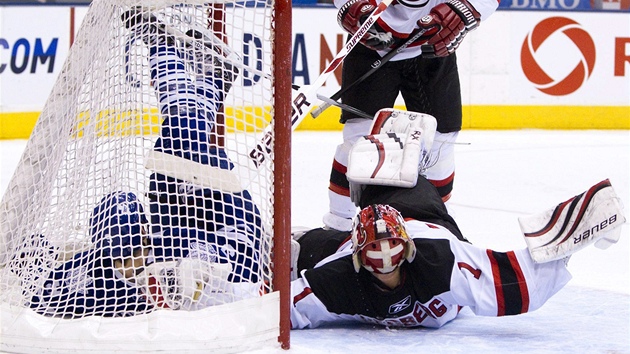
(231,245)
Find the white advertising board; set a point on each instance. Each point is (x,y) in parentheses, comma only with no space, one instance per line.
(555,58)
(34,42)
(515,58)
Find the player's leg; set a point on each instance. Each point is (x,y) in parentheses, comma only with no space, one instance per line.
(433,87)
(441,165)
(377,91)
(341,208)
(422,202)
(318,244)
(208,209)
(177,94)
(189,107)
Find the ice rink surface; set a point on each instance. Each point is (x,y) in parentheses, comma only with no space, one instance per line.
(500,176)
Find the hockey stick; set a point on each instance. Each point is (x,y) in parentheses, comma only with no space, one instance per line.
(307,94)
(345,107)
(375,66)
(363,114)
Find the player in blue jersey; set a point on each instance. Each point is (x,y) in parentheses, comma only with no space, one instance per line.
(201,246)
(89,284)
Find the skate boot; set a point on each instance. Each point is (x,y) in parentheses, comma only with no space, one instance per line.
(209,58)
(146,26)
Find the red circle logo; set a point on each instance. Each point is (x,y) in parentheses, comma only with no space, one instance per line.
(578,76)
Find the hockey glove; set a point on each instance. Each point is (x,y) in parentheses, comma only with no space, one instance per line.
(568,227)
(352,15)
(455,19)
(180,284)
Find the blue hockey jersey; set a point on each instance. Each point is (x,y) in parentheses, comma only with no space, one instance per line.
(88,284)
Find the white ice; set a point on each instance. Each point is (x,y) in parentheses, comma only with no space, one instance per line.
(500,176)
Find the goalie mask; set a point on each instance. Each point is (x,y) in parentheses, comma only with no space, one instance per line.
(379,240)
(116,224)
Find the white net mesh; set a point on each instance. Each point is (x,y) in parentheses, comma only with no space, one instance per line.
(136,191)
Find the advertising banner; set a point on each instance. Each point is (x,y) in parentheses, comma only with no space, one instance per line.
(519,69)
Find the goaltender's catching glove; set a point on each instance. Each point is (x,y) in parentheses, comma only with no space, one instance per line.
(352,15)
(180,285)
(454,19)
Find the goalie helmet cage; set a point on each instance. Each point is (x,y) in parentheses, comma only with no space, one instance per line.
(97,135)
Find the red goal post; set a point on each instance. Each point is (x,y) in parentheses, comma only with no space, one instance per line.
(97,135)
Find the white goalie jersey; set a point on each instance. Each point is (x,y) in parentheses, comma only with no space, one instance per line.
(448,273)
(445,275)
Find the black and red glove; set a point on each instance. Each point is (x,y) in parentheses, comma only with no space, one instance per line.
(352,15)
(454,19)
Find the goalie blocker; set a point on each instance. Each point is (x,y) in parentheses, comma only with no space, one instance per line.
(591,217)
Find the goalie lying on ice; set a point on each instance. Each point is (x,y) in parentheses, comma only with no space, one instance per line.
(406,263)
(202,244)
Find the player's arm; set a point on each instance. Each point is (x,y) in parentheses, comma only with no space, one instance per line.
(315,245)
(496,283)
(219,246)
(181,284)
(56,298)
(194,272)
(353,13)
(307,310)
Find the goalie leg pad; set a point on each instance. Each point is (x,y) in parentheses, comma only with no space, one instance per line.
(390,120)
(393,157)
(584,219)
(385,159)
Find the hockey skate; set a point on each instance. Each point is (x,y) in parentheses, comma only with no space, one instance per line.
(145,26)
(208,57)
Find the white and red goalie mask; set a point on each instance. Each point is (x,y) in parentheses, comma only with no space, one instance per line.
(379,240)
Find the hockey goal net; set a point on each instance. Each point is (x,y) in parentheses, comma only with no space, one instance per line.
(145,213)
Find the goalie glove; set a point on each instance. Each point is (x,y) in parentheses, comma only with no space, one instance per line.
(352,15)
(590,217)
(179,285)
(395,152)
(450,21)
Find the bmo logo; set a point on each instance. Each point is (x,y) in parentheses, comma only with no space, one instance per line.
(539,56)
